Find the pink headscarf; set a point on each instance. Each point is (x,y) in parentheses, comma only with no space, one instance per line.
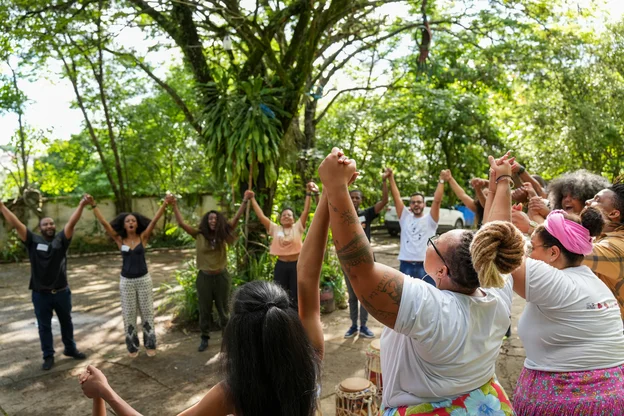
(573,236)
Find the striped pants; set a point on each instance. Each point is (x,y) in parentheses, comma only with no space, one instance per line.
(136,296)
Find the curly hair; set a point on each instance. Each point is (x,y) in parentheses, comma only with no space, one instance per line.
(618,200)
(590,218)
(118,223)
(480,258)
(223,231)
(269,363)
(580,184)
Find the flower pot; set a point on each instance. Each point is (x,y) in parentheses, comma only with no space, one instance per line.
(328,303)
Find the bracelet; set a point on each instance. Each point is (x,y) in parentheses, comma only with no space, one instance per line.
(93,206)
(317,193)
(521,170)
(505,176)
(308,193)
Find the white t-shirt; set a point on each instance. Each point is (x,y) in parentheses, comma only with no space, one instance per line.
(571,321)
(415,231)
(444,344)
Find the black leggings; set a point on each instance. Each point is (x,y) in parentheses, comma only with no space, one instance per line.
(285,275)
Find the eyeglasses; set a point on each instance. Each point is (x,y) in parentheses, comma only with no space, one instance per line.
(431,242)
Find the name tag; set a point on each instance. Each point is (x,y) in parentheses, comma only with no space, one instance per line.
(125,248)
(280,233)
(42,247)
(362,219)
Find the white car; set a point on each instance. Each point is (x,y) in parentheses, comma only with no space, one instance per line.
(449,218)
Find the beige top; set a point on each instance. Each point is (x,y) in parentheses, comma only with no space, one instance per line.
(211,257)
(286,242)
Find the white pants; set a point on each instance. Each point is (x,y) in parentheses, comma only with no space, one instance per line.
(136,296)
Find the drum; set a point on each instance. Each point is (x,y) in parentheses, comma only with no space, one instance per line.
(356,397)
(372,370)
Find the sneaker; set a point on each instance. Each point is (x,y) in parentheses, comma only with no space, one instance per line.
(76,355)
(366,333)
(48,362)
(353,331)
(203,345)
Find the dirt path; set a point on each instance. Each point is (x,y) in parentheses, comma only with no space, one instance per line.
(179,375)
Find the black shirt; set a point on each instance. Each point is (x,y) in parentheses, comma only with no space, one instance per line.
(134,264)
(48,261)
(366,217)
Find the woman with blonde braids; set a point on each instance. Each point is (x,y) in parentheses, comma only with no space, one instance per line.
(440,344)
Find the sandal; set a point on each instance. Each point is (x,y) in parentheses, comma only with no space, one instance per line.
(150,353)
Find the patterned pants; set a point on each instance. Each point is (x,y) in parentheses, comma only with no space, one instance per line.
(137,293)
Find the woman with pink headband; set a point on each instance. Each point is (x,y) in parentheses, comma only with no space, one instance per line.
(571,327)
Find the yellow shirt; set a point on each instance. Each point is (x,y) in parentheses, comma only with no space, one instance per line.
(607,262)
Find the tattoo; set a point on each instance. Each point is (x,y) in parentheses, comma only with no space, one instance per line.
(348,218)
(391,285)
(332,206)
(355,252)
(378,313)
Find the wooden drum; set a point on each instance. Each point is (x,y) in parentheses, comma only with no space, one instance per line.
(356,397)
(372,370)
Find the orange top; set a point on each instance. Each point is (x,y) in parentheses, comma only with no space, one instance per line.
(286,242)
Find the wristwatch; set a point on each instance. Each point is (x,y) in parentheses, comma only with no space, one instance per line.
(533,224)
(441,181)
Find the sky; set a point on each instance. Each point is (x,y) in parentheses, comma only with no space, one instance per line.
(50,96)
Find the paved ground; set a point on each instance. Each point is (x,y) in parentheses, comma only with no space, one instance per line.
(178,376)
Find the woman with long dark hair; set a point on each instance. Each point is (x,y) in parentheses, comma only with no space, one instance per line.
(286,240)
(270,367)
(213,282)
(131,232)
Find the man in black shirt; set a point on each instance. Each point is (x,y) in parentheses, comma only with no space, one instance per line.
(366,216)
(48,279)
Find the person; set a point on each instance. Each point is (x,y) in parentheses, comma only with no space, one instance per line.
(213,281)
(366,217)
(416,228)
(473,204)
(269,364)
(286,240)
(607,256)
(131,232)
(48,279)
(440,344)
(567,192)
(571,327)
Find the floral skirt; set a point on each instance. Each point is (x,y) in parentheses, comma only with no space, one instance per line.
(489,399)
(594,392)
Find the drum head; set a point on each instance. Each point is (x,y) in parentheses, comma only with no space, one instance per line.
(376,344)
(354,384)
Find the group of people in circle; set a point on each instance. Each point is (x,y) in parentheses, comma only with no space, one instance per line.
(443,329)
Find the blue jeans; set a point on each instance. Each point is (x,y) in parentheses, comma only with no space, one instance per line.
(45,304)
(353,305)
(416,270)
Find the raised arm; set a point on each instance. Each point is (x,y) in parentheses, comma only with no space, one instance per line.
(21,229)
(396,195)
(234,221)
(384,192)
(526,177)
(478,184)
(73,220)
(178,216)
(309,268)
(377,286)
(311,189)
(466,199)
(437,200)
(107,227)
(499,201)
(145,235)
(249,194)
